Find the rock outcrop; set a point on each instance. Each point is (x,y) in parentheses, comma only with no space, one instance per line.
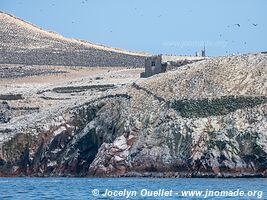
(207,119)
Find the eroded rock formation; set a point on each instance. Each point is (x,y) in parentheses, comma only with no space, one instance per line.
(193,122)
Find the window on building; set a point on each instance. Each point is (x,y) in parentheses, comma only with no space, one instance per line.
(153,63)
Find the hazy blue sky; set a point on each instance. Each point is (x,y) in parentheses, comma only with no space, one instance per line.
(156,26)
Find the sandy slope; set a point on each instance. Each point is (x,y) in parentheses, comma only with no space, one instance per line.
(25,43)
(7,21)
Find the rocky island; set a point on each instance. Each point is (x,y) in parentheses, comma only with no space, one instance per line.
(73,108)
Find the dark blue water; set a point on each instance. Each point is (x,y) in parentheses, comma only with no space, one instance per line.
(131,188)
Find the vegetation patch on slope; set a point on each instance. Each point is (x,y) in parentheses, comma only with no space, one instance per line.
(211,107)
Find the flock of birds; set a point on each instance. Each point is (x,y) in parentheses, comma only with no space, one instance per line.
(84,1)
(160,15)
(252,24)
(239,25)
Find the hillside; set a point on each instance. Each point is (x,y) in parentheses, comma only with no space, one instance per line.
(206,119)
(24,43)
(215,77)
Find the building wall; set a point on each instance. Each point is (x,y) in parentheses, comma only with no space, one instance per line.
(153,65)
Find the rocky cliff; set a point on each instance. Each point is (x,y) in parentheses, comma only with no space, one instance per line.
(25,43)
(207,119)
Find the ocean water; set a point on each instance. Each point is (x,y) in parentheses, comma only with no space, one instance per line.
(131,188)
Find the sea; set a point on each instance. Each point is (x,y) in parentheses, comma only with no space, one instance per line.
(132,188)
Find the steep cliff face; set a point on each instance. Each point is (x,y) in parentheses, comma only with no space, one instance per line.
(207,119)
(163,142)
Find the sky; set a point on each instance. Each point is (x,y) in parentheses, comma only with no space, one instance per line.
(178,27)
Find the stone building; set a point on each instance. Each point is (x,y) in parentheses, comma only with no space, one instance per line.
(154,65)
(162,63)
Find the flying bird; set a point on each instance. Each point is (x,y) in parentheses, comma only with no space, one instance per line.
(255,24)
(238,25)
